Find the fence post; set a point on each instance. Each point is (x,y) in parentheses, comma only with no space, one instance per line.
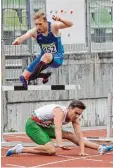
(3,100)
(88,25)
(109,116)
(29,23)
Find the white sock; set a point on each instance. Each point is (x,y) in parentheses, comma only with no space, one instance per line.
(19,148)
(99,147)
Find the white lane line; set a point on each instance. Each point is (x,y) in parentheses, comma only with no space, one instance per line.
(73,158)
(65,156)
(60,161)
(94,160)
(53,163)
(14,165)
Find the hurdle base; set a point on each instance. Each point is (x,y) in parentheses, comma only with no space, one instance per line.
(97,139)
(12,144)
(101,139)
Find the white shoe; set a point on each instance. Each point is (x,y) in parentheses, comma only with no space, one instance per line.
(17,149)
(104,149)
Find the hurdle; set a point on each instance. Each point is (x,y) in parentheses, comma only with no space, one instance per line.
(41,87)
(110,115)
(109,127)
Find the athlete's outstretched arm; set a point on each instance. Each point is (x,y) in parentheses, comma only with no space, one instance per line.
(29,34)
(63,23)
(58,117)
(78,132)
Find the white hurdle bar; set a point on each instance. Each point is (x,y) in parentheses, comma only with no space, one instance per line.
(41,87)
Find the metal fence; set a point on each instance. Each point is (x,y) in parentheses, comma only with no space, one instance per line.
(101,24)
(17,20)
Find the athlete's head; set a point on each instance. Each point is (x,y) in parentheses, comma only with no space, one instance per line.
(75,109)
(40,21)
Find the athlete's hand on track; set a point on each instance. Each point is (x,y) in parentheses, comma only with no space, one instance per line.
(56,18)
(83,154)
(16,41)
(66,148)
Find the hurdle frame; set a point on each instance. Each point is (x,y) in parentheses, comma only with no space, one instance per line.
(110,115)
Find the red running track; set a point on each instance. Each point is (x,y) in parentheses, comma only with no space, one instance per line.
(61,159)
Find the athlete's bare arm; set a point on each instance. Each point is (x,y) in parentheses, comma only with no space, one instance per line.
(58,117)
(63,23)
(60,23)
(29,34)
(78,132)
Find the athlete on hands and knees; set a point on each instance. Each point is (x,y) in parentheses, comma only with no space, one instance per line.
(46,123)
(49,39)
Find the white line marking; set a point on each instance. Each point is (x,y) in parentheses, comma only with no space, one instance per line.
(98,160)
(63,161)
(14,165)
(94,160)
(71,158)
(80,158)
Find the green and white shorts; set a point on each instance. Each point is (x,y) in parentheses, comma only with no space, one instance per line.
(39,134)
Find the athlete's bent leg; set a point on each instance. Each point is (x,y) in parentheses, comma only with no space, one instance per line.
(100,148)
(29,70)
(45,60)
(48,148)
(45,76)
(25,77)
(72,137)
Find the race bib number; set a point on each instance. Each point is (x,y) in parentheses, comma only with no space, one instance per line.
(49,48)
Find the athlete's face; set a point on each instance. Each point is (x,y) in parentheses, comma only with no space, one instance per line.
(74,114)
(41,25)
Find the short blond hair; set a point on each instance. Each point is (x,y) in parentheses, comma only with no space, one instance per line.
(39,15)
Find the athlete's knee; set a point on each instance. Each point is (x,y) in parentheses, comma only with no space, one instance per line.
(67,135)
(47,57)
(50,149)
(26,74)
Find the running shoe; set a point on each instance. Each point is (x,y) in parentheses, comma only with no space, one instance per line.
(15,150)
(104,149)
